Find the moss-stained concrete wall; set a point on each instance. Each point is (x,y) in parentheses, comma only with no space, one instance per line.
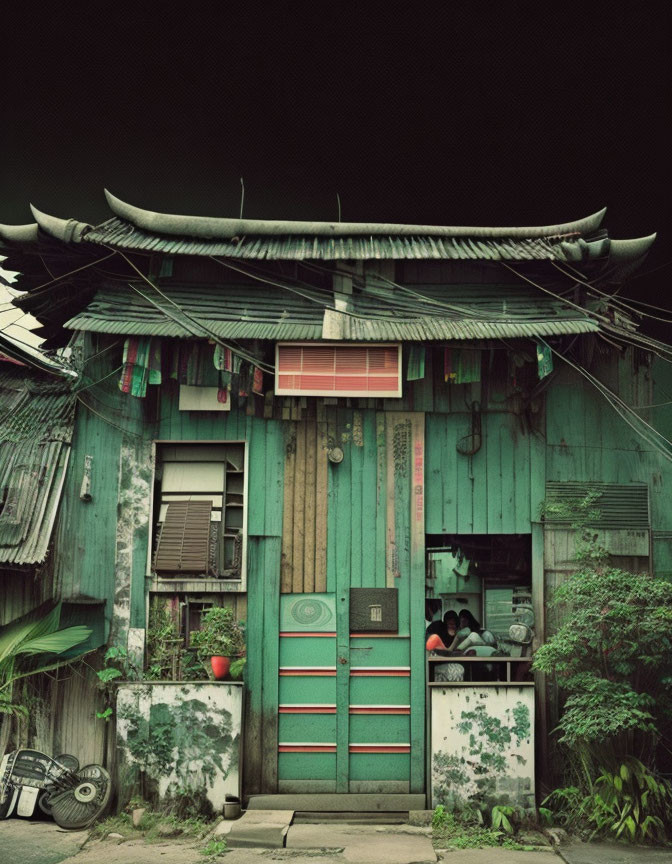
(179,739)
(482,746)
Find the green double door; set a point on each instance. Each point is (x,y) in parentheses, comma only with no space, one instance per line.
(351,705)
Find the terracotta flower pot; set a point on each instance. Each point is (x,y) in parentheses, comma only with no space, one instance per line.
(220,667)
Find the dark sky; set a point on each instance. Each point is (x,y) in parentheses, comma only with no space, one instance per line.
(520,113)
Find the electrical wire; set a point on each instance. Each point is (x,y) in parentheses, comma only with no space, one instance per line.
(613,297)
(557,297)
(104,378)
(34,292)
(618,405)
(245,355)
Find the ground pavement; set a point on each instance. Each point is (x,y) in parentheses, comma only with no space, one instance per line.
(23,842)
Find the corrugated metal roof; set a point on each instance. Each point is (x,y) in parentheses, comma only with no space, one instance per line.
(120,234)
(241,312)
(35,435)
(249,312)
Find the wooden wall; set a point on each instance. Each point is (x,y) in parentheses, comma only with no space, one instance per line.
(304,522)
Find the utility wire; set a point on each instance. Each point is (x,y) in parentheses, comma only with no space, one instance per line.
(204,330)
(613,297)
(617,403)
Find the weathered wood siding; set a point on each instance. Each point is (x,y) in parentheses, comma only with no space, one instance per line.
(304,531)
(486,493)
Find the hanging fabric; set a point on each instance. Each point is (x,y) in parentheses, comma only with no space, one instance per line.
(461,366)
(416,363)
(544,360)
(141,365)
(257,380)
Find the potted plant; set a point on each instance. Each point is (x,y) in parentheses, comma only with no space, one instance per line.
(220,640)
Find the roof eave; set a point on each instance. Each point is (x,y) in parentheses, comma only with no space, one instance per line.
(220,228)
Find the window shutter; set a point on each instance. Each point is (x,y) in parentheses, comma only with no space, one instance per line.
(184,543)
(338,370)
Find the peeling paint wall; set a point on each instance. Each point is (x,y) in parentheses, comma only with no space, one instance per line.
(482,746)
(135,477)
(184,738)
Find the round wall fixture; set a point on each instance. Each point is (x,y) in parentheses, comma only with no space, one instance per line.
(335,455)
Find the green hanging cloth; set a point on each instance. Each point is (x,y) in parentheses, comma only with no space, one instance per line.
(416,363)
(544,360)
(461,366)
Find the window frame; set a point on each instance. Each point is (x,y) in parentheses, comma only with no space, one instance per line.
(196,584)
(338,394)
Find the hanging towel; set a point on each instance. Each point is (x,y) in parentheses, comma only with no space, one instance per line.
(257,380)
(155,361)
(416,363)
(544,360)
(142,365)
(223,359)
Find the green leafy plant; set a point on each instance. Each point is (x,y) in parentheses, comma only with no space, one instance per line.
(214,848)
(631,803)
(465,830)
(237,668)
(116,664)
(220,635)
(501,818)
(32,645)
(165,646)
(612,659)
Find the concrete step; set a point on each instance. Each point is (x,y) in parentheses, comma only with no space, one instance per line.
(348,802)
(260,829)
(306,817)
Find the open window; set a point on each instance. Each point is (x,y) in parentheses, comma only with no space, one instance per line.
(200,512)
(479,601)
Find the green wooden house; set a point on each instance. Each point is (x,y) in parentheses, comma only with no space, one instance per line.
(342,432)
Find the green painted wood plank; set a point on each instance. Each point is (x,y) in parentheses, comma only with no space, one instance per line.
(380,729)
(355,511)
(256,511)
(402,455)
(342,585)
(379,766)
(436,431)
(494,478)
(509,440)
(381,500)
(480,495)
(379,651)
(417,607)
(463,484)
(380,691)
(272,551)
(306,690)
(307,766)
(254,666)
(369,499)
(315,728)
(307,651)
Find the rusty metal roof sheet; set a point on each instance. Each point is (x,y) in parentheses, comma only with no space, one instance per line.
(35,433)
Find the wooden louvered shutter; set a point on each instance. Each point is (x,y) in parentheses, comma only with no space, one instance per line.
(184,543)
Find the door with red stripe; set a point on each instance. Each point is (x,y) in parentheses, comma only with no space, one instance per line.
(343,727)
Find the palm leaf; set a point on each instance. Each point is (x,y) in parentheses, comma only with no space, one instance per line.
(28,628)
(49,667)
(55,643)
